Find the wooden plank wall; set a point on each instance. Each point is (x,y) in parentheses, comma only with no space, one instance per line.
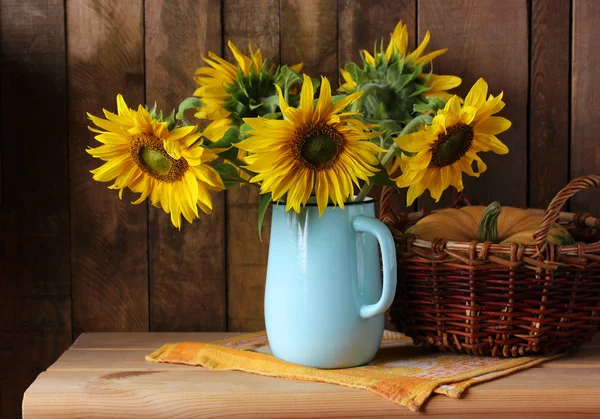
(74,258)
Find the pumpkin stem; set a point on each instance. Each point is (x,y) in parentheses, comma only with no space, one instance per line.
(488,226)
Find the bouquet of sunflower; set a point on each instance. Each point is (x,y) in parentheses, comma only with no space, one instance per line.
(392,122)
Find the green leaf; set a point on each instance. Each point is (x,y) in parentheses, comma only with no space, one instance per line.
(420,89)
(229,175)
(271,104)
(287,78)
(189,103)
(394,73)
(152,111)
(231,137)
(235,107)
(253,104)
(381,177)
(245,130)
(316,83)
(274,115)
(433,105)
(265,200)
(355,72)
(391,126)
(380,111)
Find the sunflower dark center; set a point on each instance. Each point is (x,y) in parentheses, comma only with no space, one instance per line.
(150,156)
(319,149)
(451,146)
(317,146)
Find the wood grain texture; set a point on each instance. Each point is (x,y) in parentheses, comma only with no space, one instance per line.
(113,356)
(549,100)
(309,34)
(142,340)
(109,237)
(585,105)
(489,39)
(246,254)
(35,287)
(187,266)
(103,381)
(360,25)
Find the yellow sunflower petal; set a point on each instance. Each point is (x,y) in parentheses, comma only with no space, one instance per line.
(416,54)
(112,168)
(368,57)
(493,125)
(440,83)
(346,101)
(491,143)
(243,61)
(414,142)
(409,177)
(481,166)
(414,191)
(434,182)
(307,96)
(477,95)
(456,177)
(426,59)
(178,133)
(492,106)
(122,108)
(324,102)
(467,114)
(420,161)
(321,191)
(216,129)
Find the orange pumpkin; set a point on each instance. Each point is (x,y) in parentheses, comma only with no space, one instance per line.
(498,224)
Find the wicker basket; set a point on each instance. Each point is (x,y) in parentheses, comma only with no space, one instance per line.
(499,300)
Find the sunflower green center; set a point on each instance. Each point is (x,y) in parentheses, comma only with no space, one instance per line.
(451,146)
(150,156)
(317,146)
(156,160)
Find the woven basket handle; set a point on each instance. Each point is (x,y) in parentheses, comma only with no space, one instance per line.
(553,211)
(385,202)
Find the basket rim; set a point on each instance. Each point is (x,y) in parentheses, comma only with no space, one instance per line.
(529,249)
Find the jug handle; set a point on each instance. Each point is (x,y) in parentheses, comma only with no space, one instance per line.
(388,257)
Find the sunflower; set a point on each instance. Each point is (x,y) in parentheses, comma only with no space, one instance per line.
(315,148)
(442,151)
(144,155)
(438,84)
(399,43)
(218,92)
(214,79)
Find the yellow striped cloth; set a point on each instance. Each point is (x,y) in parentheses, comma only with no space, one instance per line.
(401,372)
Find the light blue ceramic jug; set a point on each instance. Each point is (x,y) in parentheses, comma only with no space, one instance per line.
(324,299)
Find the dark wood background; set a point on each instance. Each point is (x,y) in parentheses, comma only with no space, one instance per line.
(73,258)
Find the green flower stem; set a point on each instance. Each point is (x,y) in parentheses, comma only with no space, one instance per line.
(410,127)
(364,192)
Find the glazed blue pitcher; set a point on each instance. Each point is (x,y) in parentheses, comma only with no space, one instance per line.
(324,298)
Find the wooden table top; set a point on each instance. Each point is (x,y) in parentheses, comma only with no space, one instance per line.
(105,375)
